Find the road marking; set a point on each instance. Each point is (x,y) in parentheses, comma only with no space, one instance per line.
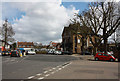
(45,71)
(38,74)
(53,68)
(40,78)
(30,77)
(59,68)
(47,75)
(63,67)
(50,70)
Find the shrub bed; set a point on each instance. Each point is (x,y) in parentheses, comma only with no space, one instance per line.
(41,52)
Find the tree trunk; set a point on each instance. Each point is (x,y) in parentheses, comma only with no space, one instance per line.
(104,33)
(105,45)
(94,50)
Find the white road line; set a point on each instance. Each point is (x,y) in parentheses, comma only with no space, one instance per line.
(63,67)
(53,68)
(47,75)
(50,70)
(31,77)
(59,68)
(40,78)
(38,74)
(45,71)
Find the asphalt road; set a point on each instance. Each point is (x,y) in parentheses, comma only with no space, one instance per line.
(26,67)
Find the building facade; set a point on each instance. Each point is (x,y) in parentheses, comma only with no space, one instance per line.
(73,43)
(25,45)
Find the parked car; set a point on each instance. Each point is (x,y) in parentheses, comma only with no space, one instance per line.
(51,52)
(58,52)
(0,53)
(4,53)
(31,52)
(67,52)
(103,56)
(14,53)
(86,53)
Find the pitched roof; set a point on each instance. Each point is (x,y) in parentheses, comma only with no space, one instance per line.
(25,43)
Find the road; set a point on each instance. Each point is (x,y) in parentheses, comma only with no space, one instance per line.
(45,67)
(25,67)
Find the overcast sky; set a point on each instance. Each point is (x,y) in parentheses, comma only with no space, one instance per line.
(40,21)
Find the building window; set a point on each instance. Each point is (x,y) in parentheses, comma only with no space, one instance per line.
(90,42)
(78,40)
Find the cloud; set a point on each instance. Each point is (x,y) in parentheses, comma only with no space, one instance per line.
(42,22)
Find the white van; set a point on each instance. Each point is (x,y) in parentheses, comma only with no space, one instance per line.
(30,51)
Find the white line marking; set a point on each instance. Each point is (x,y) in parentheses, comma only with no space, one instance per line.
(53,68)
(38,74)
(47,75)
(59,68)
(50,70)
(30,77)
(40,78)
(45,71)
(63,67)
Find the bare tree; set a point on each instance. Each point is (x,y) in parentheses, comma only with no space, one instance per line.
(7,32)
(103,19)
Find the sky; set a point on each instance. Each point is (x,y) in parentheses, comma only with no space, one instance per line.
(40,21)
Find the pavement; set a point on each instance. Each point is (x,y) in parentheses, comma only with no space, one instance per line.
(83,69)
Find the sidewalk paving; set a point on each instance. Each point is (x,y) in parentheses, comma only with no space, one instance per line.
(84,57)
(85,69)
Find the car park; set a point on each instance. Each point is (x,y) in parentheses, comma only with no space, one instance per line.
(104,56)
(15,53)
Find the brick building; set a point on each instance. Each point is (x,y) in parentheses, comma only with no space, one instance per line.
(55,45)
(73,43)
(25,46)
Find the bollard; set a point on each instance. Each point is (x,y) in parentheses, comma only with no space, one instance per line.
(20,54)
(24,54)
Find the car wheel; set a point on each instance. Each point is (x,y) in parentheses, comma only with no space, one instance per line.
(96,59)
(111,60)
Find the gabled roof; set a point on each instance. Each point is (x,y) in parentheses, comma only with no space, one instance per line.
(66,29)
